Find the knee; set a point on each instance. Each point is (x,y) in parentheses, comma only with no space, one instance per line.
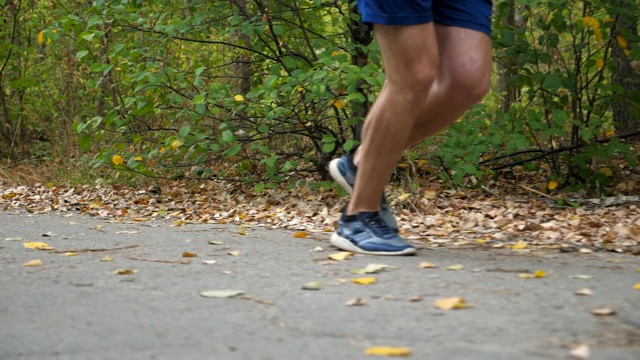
(416,87)
(469,82)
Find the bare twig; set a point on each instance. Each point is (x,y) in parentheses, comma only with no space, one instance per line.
(182,262)
(94,250)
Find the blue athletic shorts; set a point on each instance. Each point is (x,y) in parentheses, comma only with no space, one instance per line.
(470,14)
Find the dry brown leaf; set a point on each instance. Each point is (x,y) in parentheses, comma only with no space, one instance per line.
(300,234)
(451,303)
(584,292)
(603,312)
(427,265)
(187,254)
(388,351)
(341,256)
(33,263)
(580,352)
(125,272)
(455,267)
(356,302)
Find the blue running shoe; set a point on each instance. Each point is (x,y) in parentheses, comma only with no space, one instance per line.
(368,233)
(343,171)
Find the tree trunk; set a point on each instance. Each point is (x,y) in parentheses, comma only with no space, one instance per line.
(241,69)
(362,36)
(626,111)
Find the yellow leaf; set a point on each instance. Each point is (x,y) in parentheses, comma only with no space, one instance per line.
(427,265)
(335,53)
(234,253)
(107,258)
(481,241)
(622,41)
(627,52)
(71,253)
(176,144)
(607,171)
(300,234)
(450,303)
(520,245)
(598,34)
(591,22)
(637,286)
(364,280)
(33,263)
(526,276)
(455,267)
(340,256)
(539,274)
(37,245)
(188,254)
(299,88)
(402,198)
(337,103)
(552,185)
(608,19)
(41,37)
(125,272)
(600,63)
(387,351)
(117,159)
(238,98)
(138,158)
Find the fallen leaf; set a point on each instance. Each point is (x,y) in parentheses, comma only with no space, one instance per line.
(603,312)
(33,263)
(313,285)
(107,258)
(364,280)
(318,249)
(540,274)
(221,294)
(300,234)
(585,251)
(187,254)
(70,253)
(451,303)
(216,242)
(552,185)
(234,253)
(580,352)
(416,298)
(49,234)
(526,276)
(127,232)
(583,277)
(356,302)
(455,267)
(520,245)
(584,292)
(341,256)
(387,351)
(637,286)
(371,269)
(37,245)
(13,239)
(427,265)
(209,262)
(125,272)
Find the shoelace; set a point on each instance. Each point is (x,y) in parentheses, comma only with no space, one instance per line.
(377,224)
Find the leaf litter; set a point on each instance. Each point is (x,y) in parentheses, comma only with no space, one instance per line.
(515,217)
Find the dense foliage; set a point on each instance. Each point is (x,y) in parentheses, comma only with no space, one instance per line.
(260,89)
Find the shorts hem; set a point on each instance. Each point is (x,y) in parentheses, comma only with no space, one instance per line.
(397,20)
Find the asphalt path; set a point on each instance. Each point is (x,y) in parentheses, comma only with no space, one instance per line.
(76,306)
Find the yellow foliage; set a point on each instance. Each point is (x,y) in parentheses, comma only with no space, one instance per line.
(552,185)
(387,351)
(622,41)
(41,37)
(600,63)
(117,159)
(364,280)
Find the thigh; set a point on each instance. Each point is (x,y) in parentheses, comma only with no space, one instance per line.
(409,53)
(468,14)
